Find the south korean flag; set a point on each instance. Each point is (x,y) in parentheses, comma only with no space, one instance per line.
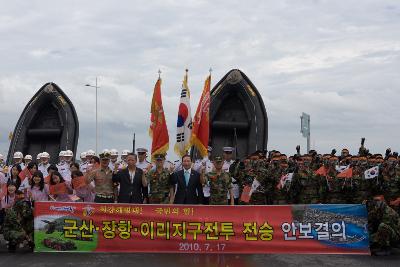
(184,121)
(285,179)
(371,173)
(341,168)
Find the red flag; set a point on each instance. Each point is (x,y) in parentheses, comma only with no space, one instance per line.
(201,125)
(158,127)
(348,173)
(58,189)
(25,174)
(321,171)
(79,182)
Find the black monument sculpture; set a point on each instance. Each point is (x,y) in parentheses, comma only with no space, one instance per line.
(48,123)
(237,116)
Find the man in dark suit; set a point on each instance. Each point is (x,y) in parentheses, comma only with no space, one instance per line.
(133,184)
(187,184)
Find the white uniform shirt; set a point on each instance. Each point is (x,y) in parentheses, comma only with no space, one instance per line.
(2,165)
(63,169)
(83,166)
(143,165)
(43,168)
(8,174)
(177,165)
(208,168)
(111,165)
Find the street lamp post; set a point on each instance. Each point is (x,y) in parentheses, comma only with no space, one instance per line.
(97,136)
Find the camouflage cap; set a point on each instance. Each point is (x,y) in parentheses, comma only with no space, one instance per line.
(218,159)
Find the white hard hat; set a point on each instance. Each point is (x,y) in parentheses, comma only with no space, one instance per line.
(1,157)
(83,155)
(62,153)
(114,152)
(106,150)
(18,155)
(28,157)
(69,153)
(44,155)
(125,152)
(38,156)
(90,153)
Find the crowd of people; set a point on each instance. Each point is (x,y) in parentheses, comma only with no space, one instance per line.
(261,178)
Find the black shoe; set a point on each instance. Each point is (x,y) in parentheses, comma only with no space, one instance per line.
(31,245)
(382,252)
(12,248)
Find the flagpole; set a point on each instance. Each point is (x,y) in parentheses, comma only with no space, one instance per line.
(186,81)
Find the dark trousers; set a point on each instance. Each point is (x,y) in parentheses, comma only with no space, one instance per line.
(2,215)
(98,199)
(236,200)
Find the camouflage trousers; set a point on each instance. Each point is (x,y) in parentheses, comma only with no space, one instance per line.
(16,236)
(385,236)
(155,199)
(308,199)
(258,198)
(335,198)
(280,198)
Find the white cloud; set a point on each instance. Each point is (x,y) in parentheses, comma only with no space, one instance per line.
(337,61)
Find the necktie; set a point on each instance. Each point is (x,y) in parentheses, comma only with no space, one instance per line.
(187,176)
(132,175)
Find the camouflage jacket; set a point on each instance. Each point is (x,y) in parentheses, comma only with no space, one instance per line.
(219,187)
(159,186)
(381,213)
(18,223)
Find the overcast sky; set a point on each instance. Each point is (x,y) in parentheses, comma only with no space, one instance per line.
(339,61)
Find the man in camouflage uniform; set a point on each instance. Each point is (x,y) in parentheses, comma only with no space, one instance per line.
(391,182)
(305,185)
(159,180)
(383,227)
(220,184)
(18,225)
(264,193)
(322,176)
(281,195)
(335,193)
(245,173)
(348,184)
(360,190)
(374,185)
